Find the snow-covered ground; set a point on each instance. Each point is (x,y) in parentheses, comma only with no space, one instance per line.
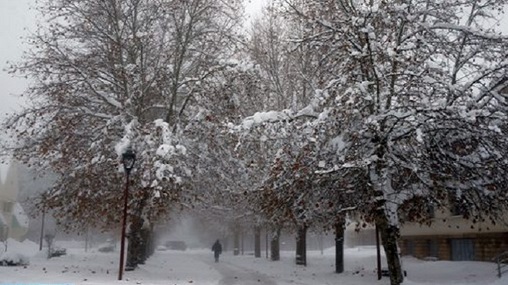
(197,267)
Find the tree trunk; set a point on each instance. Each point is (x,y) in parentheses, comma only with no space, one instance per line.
(257,241)
(301,246)
(275,245)
(242,242)
(87,239)
(151,242)
(225,244)
(321,243)
(135,246)
(389,238)
(144,246)
(378,255)
(381,179)
(138,235)
(236,242)
(266,244)
(339,247)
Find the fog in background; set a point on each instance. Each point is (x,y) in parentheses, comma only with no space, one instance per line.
(16,20)
(198,233)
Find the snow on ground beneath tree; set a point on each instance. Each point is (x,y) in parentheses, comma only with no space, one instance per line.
(17,252)
(196,266)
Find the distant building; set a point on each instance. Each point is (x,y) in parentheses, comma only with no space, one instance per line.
(451,237)
(13,219)
(448,237)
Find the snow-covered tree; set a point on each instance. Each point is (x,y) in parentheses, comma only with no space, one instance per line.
(409,88)
(112,74)
(225,176)
(293,69)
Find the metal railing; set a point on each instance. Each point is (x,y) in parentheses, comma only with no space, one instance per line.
(502,263)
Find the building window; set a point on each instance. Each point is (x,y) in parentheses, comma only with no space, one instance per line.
(462,249)
(433,248)
(410,247)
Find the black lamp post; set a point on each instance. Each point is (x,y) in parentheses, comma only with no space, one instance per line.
(128,159)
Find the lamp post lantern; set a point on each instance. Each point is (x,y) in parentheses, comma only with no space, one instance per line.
(128,159)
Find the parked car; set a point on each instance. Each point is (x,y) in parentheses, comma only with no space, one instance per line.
(58,251)
(108,246)
(176,245)
(161,248)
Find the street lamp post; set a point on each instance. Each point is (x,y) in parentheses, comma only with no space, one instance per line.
(378,255)
(43,219)
(128,159)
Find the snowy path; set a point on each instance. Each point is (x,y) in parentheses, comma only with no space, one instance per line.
(182,267)
(163,266)
(233,274)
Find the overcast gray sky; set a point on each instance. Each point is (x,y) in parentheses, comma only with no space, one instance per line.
(15,18)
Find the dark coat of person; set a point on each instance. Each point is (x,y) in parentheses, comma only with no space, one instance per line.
(217,250)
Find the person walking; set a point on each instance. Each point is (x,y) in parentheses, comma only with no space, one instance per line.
(217,250)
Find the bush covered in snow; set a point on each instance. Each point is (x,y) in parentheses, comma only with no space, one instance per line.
(15,253)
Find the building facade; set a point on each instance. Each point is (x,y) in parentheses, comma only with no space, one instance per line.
(451,237)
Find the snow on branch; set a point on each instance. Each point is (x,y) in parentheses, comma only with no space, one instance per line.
(467,30)
(260,118)
(126,141)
